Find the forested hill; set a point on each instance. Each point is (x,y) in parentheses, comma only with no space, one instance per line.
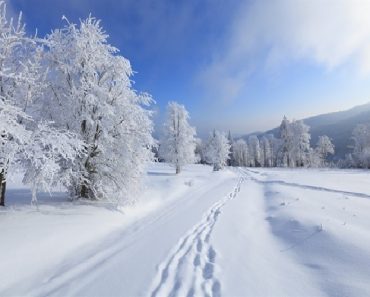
(337,125)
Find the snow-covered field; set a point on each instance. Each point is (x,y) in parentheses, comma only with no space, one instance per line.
(237,232)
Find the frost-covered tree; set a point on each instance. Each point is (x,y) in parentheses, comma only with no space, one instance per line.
(199,151)
(26,140)
(301,143)
(22,73)
(347,162)
(254,151)
(12,132)
(262,153)
(21,83)
(286,136)
(324,147)
(49,157)
(295,144)
(178,141)
(275,147)
(230,161)
(13,137)
(266,152)
(217,150)
(360,156)
(91,95)
(240,153)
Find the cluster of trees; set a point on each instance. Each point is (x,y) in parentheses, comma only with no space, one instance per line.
(179,145)
(291,149)
(68,112)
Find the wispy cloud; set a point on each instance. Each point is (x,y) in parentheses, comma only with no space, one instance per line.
(268,33)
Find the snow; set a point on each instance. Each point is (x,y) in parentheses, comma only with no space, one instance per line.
(353,181)
(235,232)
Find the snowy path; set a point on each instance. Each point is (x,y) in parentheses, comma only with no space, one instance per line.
(238,232)
(257,245)
(125,262)
(189,269)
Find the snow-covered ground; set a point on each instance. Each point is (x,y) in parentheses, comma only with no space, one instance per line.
(238,232)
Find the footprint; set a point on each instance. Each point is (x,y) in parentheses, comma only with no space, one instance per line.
(175,289)
(196,261)
(211,255)
(216,289)
(191,293)
(208,271)
(199,246)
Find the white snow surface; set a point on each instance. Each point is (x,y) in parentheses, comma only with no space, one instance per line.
(236,232)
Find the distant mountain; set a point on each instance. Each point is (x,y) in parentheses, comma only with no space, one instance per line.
(337,125)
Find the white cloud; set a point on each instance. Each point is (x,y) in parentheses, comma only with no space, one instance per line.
(266,33)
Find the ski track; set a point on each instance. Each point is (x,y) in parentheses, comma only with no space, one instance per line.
(306,187)
(95,257)
(189,270)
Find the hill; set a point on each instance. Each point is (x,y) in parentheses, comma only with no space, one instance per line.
(337,125)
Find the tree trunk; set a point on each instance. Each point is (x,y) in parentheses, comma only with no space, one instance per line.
(84,191)
(2,188)
(178,169)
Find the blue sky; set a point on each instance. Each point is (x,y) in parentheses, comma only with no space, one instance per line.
(236,64)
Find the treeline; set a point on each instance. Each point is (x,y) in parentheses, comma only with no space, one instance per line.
(291,149)
(179,146)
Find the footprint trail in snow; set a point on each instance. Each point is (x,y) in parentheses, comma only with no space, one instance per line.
(189,270)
